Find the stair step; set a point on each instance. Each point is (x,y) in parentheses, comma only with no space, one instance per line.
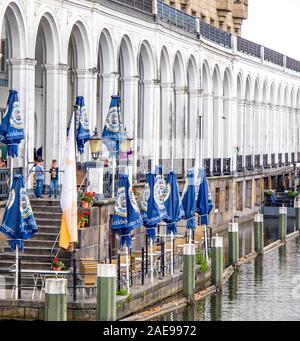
(35,250)
(46,236)
(48,222)
(47,215)
(48,229)
(28,264)
(46,209)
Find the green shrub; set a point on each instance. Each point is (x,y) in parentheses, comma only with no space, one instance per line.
(201,260)
(291,194)
(268,193)
(122,292)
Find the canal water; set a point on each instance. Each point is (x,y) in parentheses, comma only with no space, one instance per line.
(265,289)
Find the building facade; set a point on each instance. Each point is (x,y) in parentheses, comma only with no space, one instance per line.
(227,15)
(192,95)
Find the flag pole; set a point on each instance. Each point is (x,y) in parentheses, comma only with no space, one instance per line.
(172,254)
(127,269)
(205,240)
(151,260)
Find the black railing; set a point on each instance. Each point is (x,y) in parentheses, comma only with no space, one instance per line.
(273,162)
(273,56)
(266,161)
(226,167)
(292,64)
(248,47)
(174,16)
(217,167)
(239,163)
(293,157)
(214,34)
(4,181)
(206,165)
(249,165)
(280,163)
(298,157)
(143,5)
(286,159)
(257,162)
(143,167)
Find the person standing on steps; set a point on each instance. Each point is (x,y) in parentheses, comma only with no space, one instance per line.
(54,177)
(39,172)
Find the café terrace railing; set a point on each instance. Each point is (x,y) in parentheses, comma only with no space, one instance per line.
(180,19)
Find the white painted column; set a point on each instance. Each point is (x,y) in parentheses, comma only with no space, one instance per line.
(155,148)
(192,144)
(248,129)
(22,79)
(165,122)
(240,138)
(207,113)
(257,124)
(130,105)
(273,126)
(233,128)
(217,126)
(62,91)
(180,124)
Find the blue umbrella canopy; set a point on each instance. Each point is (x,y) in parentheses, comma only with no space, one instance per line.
(11,129)
(152,206)
(82,125)
(127,214)
(204,203)
(18,221)
(113,133)
(189,200)
(172,203)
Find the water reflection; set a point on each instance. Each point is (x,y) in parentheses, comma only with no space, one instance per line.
(263,289)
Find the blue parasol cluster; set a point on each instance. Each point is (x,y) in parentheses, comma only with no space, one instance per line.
(127,215)
(82,125)
(18,221)
(11,129)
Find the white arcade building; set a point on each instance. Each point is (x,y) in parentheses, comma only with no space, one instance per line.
(191,94)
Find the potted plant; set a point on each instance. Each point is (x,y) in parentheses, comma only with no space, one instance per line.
(87,199)
(57,265)
(83,219)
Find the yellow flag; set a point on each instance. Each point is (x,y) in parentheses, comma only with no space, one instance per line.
(68,201)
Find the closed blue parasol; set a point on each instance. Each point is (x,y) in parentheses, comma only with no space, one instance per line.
(113,133)
(18,221)
(127,215)
(11,129)
(189,200)
(204,203)
(172,203)
(82,125)
(153,208)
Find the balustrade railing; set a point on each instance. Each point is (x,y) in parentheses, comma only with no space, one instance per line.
(239,163)
(266,161)
(280,163)
(214,34)
(174,16)
(143,5)
(226,167)
(257,162)
(248,47)
(292,64)
(273,162)
(217,167)
(4,181)
(206,165)
(249,165)
(286,159)
(273,56)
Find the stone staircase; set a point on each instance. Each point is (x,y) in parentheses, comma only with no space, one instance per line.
(37,250)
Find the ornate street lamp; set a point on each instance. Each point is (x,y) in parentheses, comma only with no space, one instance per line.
(95,145)
(126,148)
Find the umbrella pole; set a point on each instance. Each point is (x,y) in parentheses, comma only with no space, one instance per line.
(17,274)
(11,171)
(127,269)
(113,178)
(165,252)
(205,238)
(151,260)
(172,254)
(190,236)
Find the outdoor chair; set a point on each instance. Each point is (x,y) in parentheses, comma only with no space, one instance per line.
(88,275)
